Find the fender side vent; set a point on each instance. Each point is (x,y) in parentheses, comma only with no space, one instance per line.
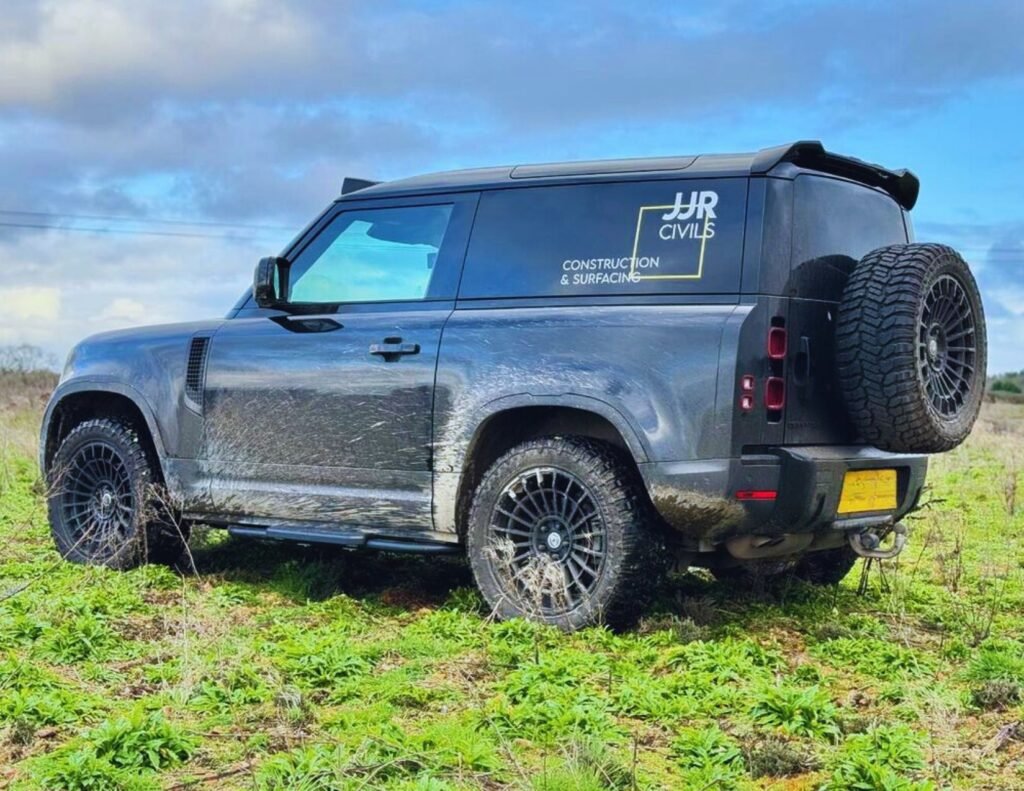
(195,372)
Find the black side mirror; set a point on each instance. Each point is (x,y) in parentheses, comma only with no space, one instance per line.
(267,280)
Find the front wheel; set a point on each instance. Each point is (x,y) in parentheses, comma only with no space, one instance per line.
(560,532)
(101,500)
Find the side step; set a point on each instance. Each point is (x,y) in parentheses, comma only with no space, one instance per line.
(343,537)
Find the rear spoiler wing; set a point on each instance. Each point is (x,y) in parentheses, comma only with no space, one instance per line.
(902,185)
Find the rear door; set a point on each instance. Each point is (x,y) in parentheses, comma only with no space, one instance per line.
(324,412)
(835,223)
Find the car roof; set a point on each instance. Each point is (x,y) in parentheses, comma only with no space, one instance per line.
(808,154)
(524,175)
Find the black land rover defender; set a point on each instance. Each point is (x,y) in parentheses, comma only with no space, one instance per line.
(571,372)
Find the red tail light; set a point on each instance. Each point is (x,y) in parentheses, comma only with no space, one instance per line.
(757,494)
(775,393)
(777,343)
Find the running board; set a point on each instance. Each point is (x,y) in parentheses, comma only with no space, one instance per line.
(342,537)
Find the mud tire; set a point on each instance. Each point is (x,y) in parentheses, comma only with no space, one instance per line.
(900,347)
(146,533)
(634,556)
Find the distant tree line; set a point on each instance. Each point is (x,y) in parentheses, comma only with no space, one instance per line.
(25,358)
(1008,384)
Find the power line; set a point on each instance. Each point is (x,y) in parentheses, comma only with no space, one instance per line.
(144,220)
(125,231)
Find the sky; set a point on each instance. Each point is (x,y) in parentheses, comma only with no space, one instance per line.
(151,152)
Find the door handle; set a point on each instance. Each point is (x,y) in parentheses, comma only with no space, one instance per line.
(393,348)
(802,372)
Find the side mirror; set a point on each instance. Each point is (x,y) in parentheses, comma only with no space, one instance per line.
(266,282)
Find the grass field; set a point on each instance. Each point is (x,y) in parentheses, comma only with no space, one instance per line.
(279,667)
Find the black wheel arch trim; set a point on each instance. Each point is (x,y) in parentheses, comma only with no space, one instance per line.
(475,425)
(97,384)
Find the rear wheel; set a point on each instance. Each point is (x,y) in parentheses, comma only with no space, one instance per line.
(101,505)
(559,532)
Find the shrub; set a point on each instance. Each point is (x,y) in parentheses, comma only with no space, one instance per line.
(237,687)
(318,767)
(998,694)
(882,758)
(872,656)
(551,699)
(35,708)
(82,770)
(83,637)
(997,660)
(707,748)
(141,740)
(1006,386)
(321,661)
(800,712)
(467,600)
(586,765)
(725,661)
(775,757)
(451,744)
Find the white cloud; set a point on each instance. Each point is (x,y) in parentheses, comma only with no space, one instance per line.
(124,309)
(73,285)
(91,47)
(30,302)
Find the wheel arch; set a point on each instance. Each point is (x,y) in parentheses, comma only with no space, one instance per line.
(78,401)
(512,421)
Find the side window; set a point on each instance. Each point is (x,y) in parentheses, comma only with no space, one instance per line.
(657,237)
(372,255)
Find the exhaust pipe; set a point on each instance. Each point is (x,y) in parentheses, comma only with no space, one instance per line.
(867,543)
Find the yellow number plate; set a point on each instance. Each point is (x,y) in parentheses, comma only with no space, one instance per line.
(868,490)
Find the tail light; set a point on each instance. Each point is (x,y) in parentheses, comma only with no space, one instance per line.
(757,494)
(775,381)
(775,384)
(777,343)
(775,393)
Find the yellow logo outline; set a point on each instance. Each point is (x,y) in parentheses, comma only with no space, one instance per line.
(636,243)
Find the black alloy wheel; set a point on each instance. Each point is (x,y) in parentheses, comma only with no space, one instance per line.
(561,531)
(97,504)
(103,506)
(548,514)
(946,346)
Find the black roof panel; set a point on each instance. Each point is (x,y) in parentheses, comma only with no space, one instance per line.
(602,166)
(807,154)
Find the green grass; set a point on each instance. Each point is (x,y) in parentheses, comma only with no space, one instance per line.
(276,667)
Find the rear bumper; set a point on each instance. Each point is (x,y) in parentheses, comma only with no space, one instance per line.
(698,498)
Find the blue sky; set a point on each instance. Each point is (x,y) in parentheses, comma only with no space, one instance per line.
(164,147)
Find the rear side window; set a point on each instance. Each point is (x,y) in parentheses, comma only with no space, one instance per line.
(674,237)
(834,224)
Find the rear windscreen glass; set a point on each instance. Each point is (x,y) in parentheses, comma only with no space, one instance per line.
(674,237)
(834,224)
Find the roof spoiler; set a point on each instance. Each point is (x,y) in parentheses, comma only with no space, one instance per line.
(350,185)
(901,184)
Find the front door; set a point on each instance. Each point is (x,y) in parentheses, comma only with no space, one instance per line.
(322,412)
